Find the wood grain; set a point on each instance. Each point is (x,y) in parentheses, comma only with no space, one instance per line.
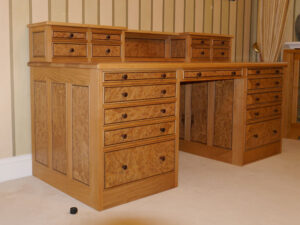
(38,41)
(145,48)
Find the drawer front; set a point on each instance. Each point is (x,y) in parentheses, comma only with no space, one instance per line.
(107,37)
(211,73)
(221,43)
(271,71)
(220,52)
(200,52)
(138,76)
(264,112)
(69,35)
(138,133)
(262,133)
(106,51)
(138,113)
(201,42)
(264,83)
(264,98)
(137,163)
(70,50)
(121,94)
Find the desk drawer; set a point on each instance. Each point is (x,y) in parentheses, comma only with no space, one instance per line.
(264,83)
(121,94)
(106,51)
(69,35)
(264,98)
(200,52)
(139,76)
(262,133)
(262,71)
(220,52)
(211,73)
(106,36)
(133,164)
(264,112)
(70,50)
(138,113)
(138,133)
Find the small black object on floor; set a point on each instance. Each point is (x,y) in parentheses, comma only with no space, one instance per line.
(73,210)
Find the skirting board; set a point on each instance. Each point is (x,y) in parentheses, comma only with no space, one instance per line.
(15,167)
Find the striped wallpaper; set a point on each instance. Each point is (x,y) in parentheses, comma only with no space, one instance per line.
(238,18)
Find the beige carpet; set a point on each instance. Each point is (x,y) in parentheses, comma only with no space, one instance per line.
(210,193)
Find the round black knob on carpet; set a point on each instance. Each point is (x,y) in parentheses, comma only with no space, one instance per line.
(73,210)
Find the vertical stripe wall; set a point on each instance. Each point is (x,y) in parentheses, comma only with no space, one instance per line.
(238,18)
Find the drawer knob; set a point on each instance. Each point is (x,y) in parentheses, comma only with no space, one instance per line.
(223,42)
(257,99)
(124,167)
(163,91)
(202,53)
(107,37)
(125,94)
(257,71)
(275,131)
(124,76)
(222,53)
(163,111)
(277,71)
(233,73)
(256,113)
(277,82)
(72,50)
(124,136)
(163,129)
(71,35)
(276,110)
(276,96)
(202,42)
(124,116)
(163,75)
(107,51)
(199,74)
(257,84)
(162,158)
(255,135)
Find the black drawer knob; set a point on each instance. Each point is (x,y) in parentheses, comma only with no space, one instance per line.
(275,131)
(276,96)
(72,50)
(124,136)
(257,84)
(163,111)
(124,76)
(71,35)
(277,71)
(124,116)
(257,71)
(73,210)
(125,94)
(276,110)
(202,53)
(223,42)
(202,42)
(199,74)
(277,82)
(107,37)
(162,158)
(256,113)
(124,167)
(222,53)
(163,75)
(163,129)
(107,51)
(257,99)
(233,73)
(255,135)
(164,91)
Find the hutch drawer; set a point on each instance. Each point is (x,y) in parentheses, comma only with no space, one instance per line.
(106,51)
(264,98)
(264,83)
(69,50)
(262,133)
(220,52)
(201,53)
(138,113)
(138,76)
(263,112)
(221,43)
(69,35)
(138,133)
(137,163)
(201,42)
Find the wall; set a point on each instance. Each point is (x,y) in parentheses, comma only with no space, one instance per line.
(238,18)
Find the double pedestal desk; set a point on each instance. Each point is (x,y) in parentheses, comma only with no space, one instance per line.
(107,126)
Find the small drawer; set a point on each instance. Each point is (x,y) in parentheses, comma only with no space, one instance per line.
(260,71)
(221,43)
(211,73)
(138,133)
(106,51)
(138,76)
(107,37)
(69,35)
(264,112)
(220,52)
(70,50)
(264,98)
(262,133)
(133,164)
(138,113)
(201,42)
(264,83)
(200,52)
(122,94)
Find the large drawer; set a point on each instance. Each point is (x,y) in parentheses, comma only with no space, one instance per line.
(262,133)
(69,50)
(139,76)
(200,53)
(220,52)
(264,112)
(138,113)
(106,51)
(121,94)
(137,163)
(138,133)
(264,83)
(264,98)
